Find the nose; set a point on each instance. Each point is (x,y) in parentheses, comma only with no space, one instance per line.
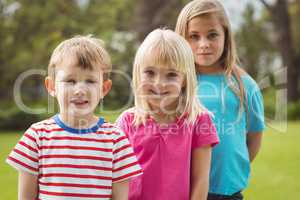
(80,89)
(159,81)
(203,43)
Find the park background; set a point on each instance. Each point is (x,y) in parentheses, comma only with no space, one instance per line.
(268,41)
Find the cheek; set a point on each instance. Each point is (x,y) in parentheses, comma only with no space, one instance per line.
(145,83)
(220,45)
(193,46)
(176,85)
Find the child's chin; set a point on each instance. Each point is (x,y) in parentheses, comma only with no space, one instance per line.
(81,112)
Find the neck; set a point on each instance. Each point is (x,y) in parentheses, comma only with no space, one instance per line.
(81,122)
(217,69)
(166,115)
(164,118)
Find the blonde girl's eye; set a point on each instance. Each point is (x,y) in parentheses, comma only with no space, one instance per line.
(149,73)
(172,75)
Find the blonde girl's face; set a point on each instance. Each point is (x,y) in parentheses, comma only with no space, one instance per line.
(206,36)
(161,87)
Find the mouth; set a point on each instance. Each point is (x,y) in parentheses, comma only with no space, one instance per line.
(204,54)
(158,93)
(79,102)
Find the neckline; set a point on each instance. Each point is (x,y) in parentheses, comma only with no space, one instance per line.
(177,120)
(215,74)
(78,131)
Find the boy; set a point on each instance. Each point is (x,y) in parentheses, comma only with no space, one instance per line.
(75,155)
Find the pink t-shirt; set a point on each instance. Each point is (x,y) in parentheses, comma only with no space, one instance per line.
(164,152)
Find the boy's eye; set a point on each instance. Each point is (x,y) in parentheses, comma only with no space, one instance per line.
(70,81)
(90,81)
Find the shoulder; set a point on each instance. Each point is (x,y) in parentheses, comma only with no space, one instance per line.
(203,119)
(109,128)
(248,81)
(127,116)
(205,116)
(46,125)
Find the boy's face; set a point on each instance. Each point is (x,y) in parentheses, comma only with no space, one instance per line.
(78,91)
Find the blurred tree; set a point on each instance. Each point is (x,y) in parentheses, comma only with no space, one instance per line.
(166,13)
(281,19)
(255,48)
(30,30)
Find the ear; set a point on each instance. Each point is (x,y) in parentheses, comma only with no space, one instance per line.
(106,87)
(50,85)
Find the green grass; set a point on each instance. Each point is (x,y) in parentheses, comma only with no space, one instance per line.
(275,172)
(8,183)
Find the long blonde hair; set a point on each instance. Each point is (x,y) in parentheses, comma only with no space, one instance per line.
(229,58)
(165,47)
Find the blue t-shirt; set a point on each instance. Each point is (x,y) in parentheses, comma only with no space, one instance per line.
(230,167)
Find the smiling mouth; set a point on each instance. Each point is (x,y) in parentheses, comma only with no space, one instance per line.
(79,102)
(159,93)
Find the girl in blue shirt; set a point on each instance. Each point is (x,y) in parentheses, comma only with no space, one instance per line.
(227,91)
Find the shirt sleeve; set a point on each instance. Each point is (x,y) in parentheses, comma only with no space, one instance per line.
(125,164)
(204,132)
(121,122)
(255,110)
(24,156)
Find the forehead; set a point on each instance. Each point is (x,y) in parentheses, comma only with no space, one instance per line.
(205,23)
(70,67)
(160,60)
(161,67)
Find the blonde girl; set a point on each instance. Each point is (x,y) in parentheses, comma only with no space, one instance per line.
(227,91)
(170,131)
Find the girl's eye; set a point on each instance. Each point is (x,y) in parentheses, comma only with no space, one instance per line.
(172,75)
(149,73)
(90,81)
(213,35)
(194,37)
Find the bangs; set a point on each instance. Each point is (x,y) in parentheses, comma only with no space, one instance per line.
(163,54)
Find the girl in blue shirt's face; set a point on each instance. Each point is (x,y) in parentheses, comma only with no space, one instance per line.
(206,36)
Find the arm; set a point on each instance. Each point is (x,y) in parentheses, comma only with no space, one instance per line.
(120,190)
(28,186)
(201,158)
(253,144)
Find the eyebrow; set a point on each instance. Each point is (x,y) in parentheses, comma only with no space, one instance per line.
(209,31)
(149,67)
(169,69)
(213,30)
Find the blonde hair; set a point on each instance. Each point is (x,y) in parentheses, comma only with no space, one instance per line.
(87,51)
(165,47)
(229,59)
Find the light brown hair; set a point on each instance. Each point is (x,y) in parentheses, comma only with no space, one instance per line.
(229,59)
(87,51)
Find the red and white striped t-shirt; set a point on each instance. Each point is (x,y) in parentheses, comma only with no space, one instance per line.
(75,163)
